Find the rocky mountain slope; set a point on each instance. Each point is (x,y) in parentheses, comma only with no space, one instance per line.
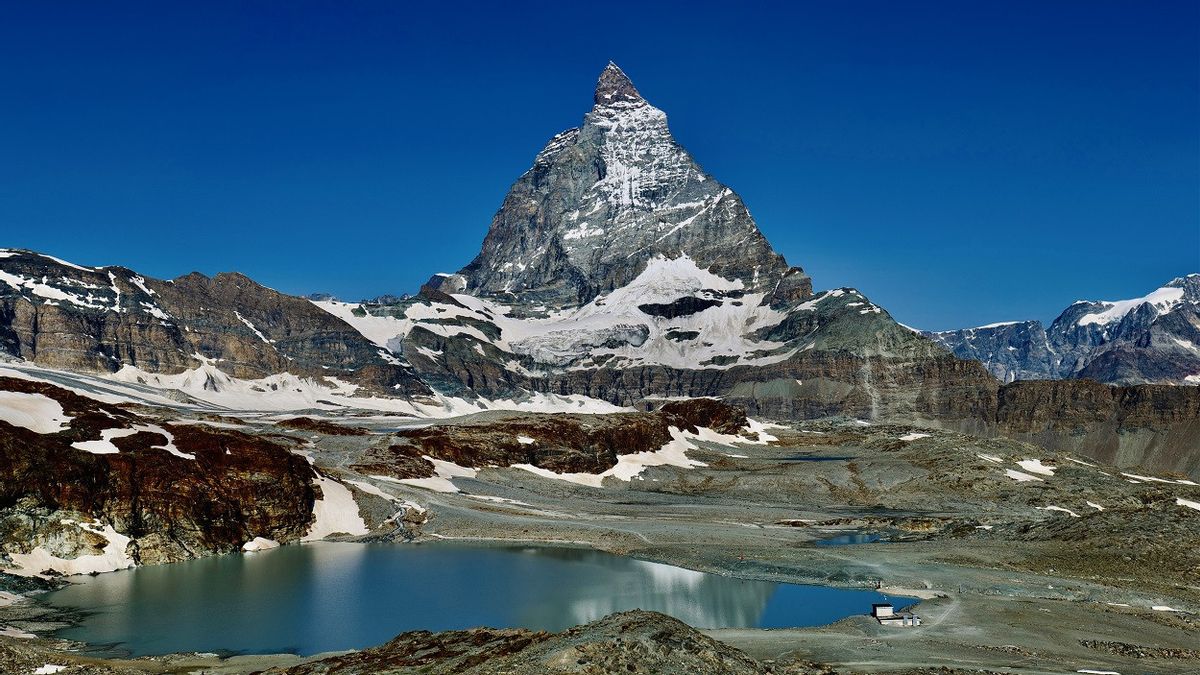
(617,268)
(113,320)
(603,200)
(87,486)
(1152,339)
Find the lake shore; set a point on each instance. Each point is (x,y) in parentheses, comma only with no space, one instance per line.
(994,593)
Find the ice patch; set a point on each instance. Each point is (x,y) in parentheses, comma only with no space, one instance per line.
(1036,466)
(35,412)
(1020,476)
(1058,508)
(1188,503)
(260,544)
(336,511)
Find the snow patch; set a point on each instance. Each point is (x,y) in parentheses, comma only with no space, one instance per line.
(35,412)
(1162,300)
(251,327)
(1036,466)
(105,445)
(1020,477)
(1188,503)
(112,558)
(260,544)
(1058,508)
(336,511)
(673,453)
(442,480)
(1152,479)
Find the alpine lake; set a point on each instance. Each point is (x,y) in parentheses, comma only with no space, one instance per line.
(324,597)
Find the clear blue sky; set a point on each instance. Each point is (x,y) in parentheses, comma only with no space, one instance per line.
(959,162)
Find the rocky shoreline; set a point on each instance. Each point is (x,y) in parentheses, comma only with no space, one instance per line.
(975,542)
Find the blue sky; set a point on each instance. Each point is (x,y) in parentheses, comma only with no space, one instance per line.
(960,163)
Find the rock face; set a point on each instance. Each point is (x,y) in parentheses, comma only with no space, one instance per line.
(108,488)
(1016,350)
(1149,426)
(628,642)
(101,320)
(1154,339)
(604,199)
(562,443)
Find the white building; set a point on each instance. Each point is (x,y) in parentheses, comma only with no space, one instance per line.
(887,615)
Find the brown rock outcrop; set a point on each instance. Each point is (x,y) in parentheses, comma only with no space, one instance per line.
(628,642)
(236,488)
(564,443)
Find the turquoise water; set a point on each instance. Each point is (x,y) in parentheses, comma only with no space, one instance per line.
(328,596)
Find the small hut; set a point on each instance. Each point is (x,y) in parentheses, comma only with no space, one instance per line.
(887,615)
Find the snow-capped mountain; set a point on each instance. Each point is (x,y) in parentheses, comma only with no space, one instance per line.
(603,200)
(617,268)
(1151,339)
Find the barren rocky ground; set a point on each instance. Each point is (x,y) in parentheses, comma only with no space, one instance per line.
(1021,559)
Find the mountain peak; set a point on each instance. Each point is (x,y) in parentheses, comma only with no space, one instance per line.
(606,198)
(614,85)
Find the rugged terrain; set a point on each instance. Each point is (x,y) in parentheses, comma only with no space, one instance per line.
(1007,543)
(110,319)
(1152,339)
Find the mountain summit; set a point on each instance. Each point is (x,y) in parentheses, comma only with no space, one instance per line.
(614,85)
(603,200)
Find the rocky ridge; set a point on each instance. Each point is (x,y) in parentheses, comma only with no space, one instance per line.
(112,320)
(1154,339)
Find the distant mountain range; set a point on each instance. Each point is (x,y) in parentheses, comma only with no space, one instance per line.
(1152,339)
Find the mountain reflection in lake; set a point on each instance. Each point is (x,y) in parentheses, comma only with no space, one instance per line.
(328,596)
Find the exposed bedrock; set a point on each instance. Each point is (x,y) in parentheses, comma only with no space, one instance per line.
(176,491)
